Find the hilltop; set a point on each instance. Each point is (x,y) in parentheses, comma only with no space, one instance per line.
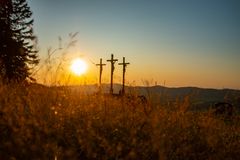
(198,98)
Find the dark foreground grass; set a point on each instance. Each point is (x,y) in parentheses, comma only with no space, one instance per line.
(37,122)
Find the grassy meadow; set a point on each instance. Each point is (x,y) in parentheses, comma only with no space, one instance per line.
(38,122)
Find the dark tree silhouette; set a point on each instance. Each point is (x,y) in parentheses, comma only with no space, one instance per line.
(18,54)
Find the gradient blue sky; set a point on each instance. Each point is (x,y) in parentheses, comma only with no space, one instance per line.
(179,42)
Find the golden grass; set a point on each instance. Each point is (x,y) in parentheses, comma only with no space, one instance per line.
(38,122)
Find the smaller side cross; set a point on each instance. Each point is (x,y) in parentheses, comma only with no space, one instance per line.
(100,72)
(124,64)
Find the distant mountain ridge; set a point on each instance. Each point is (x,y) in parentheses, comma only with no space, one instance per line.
(209,93)
(199,98)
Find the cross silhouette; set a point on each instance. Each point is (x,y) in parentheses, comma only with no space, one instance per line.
(124,64)
(100,72)
(112,61)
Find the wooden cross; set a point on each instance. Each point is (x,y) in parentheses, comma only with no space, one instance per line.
(124,64)
(112,61)
(100,71)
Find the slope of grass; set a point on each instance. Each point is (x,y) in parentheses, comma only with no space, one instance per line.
(38,122)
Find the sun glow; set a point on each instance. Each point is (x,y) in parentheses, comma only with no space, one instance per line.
(78,66)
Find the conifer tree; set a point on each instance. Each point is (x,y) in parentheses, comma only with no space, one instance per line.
(18,54)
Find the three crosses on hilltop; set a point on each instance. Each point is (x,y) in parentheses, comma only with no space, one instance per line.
(112,61)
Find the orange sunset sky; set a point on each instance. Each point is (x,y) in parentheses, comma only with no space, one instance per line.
(168,42)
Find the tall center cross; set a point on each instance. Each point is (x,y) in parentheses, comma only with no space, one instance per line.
(112,61)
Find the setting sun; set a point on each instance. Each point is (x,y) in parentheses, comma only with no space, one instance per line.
(78,66)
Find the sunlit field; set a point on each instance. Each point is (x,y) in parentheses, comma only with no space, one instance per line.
(39,122)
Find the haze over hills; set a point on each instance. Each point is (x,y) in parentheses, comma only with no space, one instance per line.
(198,98)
